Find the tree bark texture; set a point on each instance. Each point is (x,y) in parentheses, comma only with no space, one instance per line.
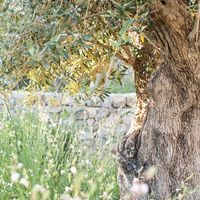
(168,134)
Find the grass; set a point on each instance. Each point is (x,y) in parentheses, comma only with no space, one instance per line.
(127,85)
(48,161)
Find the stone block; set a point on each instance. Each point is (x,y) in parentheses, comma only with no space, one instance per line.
(49,109)
(69,109)
(131,99)
(124,111)
(84,135)
(107,103)
(80,114)
(103,113)
(66,101)
(101,134)
(118,101)
(95,127)
(2,102)
(90,121)
(80,123)
(121,129)
(112,119)
(92,112)
(128,118)
(93,102)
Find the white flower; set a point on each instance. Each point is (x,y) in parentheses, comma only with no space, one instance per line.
(19,143)
(139,188)
(10,185)
(39,188)
(67,189)
(73,170)
(19,165)
(86,175)
(144,188)
(76,198)
(24,182)
(87,162)
(62,171)
(15,177)
(105,195)
(65,197)
(136,188)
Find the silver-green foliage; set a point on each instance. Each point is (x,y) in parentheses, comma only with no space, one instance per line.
(44,40)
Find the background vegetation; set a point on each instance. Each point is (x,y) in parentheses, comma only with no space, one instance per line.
(49,161)
(76,46)
(71,45)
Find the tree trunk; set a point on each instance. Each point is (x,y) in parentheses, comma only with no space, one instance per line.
(168,135)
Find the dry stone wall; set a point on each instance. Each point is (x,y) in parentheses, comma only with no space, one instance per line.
(114,115)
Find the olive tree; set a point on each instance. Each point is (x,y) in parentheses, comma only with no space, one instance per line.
(78,41)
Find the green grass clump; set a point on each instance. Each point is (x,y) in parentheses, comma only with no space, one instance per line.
(48,161)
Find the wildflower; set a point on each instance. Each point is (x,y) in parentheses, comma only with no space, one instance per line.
(15,177)
(46,171)
(67,189)
(10,185)
(65,197)
(24,182)
(19,143)
(19,165)
(139,188)
(87,162)
(76,198)
(39,189)
(73,170)
(105,195)
(86,175)
(144,188)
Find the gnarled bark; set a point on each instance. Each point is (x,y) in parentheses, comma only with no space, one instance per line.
(169,134)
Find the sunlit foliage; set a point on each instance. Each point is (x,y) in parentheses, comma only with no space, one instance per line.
(69,44)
